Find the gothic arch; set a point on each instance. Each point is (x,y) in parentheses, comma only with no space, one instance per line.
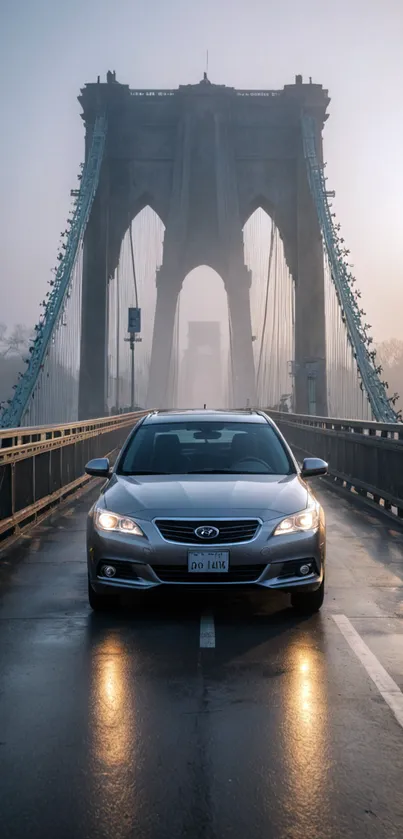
(203,300)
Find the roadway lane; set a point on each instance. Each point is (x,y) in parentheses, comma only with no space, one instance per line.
(122,727)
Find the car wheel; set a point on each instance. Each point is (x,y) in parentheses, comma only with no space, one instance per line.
(309,602)
(101,602)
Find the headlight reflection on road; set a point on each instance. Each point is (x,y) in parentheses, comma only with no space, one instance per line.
(305,696)
(113,733)
(305,692)
(112,704)
(110,712)
(305,744)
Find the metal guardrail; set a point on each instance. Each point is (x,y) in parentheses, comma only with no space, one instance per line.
(42,465)
(365,458)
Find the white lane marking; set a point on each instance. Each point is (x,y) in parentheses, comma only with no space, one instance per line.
(387,687)
(207,632)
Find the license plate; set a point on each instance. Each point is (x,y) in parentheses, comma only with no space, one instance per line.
(208,562)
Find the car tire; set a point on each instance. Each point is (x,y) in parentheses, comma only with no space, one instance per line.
(101,602)
(308,602)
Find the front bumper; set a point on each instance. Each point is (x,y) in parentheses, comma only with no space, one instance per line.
(151,561)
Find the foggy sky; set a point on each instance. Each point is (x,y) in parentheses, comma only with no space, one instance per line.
(51,48)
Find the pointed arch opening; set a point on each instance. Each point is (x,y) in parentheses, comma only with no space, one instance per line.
(272,310)
(133,285)
(201,343)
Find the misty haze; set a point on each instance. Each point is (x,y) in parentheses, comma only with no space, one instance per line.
(361,147)
(201,427)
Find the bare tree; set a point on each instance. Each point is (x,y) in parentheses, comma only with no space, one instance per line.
(389,354)
(14,347)
(15,342)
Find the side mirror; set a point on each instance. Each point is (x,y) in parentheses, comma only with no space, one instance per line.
(98,468)
(313,467)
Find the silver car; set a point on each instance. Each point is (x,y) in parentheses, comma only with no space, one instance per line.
(202,499)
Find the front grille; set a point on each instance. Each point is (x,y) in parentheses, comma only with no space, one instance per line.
(230,532)
(124,570)
(236,574)
(291,568)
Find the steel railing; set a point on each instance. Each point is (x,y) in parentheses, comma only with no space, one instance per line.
(365,458)
(42,465)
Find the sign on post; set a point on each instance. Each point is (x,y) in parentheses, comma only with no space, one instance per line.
(134,321)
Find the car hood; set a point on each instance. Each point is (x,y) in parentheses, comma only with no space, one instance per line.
(264,496)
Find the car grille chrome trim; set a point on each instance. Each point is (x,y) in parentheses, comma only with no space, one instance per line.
(232,531)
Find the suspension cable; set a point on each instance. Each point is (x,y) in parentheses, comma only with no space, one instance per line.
(266,303)
(54,308)
(133,265)
(357,331)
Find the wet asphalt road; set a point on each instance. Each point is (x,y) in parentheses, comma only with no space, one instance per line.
(121,726)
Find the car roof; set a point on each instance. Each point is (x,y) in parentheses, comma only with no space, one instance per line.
(159,417)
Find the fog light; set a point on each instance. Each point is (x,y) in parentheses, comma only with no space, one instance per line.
(305,569)
(108,570)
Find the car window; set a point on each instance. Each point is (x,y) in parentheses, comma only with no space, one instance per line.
(202,447)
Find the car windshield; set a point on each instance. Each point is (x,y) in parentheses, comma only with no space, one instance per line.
(188,448)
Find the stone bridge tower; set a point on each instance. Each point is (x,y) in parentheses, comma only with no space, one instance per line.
(204,157)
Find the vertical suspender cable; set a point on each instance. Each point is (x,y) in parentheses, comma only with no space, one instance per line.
(106,281)
(266,302)
(133,265)
(118,336)
(136,303)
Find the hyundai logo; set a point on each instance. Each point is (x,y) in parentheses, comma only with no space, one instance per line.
(207,532)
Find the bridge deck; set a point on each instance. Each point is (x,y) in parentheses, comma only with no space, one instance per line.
(121,726)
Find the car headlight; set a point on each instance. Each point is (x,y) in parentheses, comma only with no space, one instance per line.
(112,522)
(301,522)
